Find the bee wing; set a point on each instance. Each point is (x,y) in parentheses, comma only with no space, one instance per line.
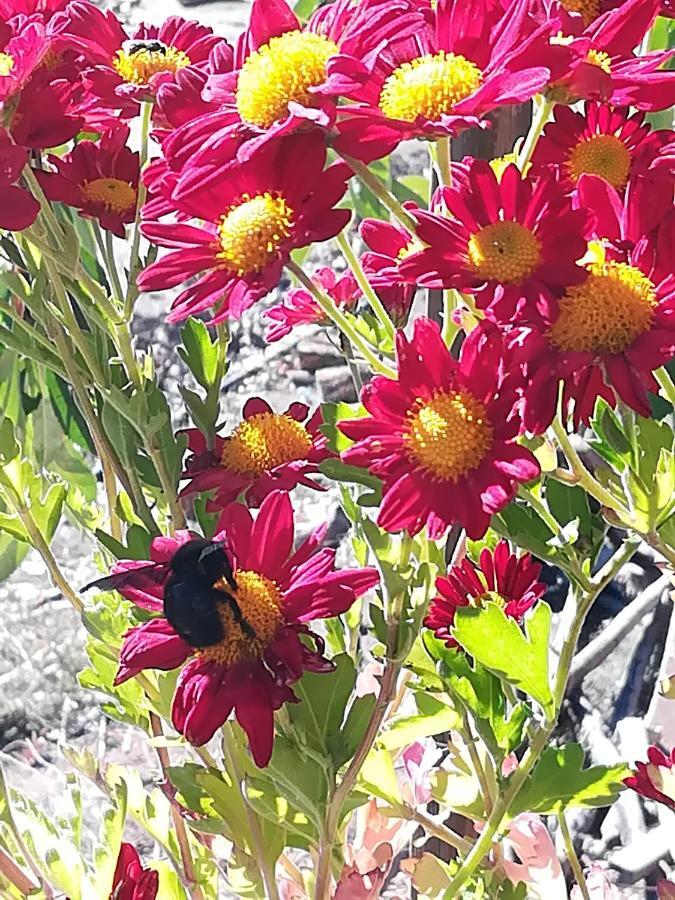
(143,578)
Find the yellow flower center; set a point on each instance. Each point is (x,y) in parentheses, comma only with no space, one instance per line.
(606,312)
(600,59)
(252,231)
(588,9)
(281,71)
(488,597)
(429,86)
(602,154)
(449,435)
(259,600)
(116,195)
(139,67)
(6,64)
(507,252)
(265,441)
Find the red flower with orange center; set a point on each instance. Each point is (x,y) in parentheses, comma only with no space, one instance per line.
(500,577)
(602,141)
(250,665)
(442,436)
(100,179)
(267,451)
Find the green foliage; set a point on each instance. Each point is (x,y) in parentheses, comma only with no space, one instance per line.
(559,781)
(206,358)
(496,641)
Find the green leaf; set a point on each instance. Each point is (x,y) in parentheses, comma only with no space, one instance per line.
(323,700)
(559,781)
(47,512)
(434,717)
(496,641)
(199,352)
(68,414)
(569,503)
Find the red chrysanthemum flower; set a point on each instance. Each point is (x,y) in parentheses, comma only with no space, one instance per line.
(655,779)
(602,141)
(121,69)
(501,577)
(599,62)
(299,307)
(131,881)
(45,8)
(442,437)
(279,591)
(267,451)
(99,179)
(280,199)
(464,61)
(609,332)
(18,208)
(511,241)
(283,79)
(23,45)
(388,245)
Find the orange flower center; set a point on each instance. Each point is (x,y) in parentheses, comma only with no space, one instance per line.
(279,72)
(259,600)
(116,195)
(429,86)
(606,312)
(139,66)
(6,64)
(251,232)
(448,435)
(588,9)
(602,154)
(507,252)
(600,59)
(487,597)
(265,441)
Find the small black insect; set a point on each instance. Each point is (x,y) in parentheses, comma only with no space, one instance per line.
(190,597)
(152,45)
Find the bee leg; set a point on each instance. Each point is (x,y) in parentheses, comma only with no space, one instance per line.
(239,616)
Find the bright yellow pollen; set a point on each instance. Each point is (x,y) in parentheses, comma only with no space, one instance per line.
(488,597)
(606,312)
(279,72)
(507,252)
(448,435)
(588,9)
(429,86)
(265,441)
(139,67)
(600,59)
(414,246)
(251,232)
(259,600)
(116,195)
(602,154)
(6,64)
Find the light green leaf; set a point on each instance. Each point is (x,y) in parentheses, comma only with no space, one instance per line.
(497,642)
(434,717)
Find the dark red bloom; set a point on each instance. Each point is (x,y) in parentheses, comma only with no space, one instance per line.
(279,591)
(283,197)
(299,307)
(388,245)
(18,208)
(99,179)
(131,881)
(501,577)
(268,451)
(655,779)
(512,242)
(442,436)
(465,60)
(608,333)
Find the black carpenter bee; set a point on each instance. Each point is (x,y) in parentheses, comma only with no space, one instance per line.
(152,45)
(190,597)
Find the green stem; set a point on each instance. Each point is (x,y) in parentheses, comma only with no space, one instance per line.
(368,292)
(342,322)
(539,120)
(666,384)
(443,161)
(134,259)
(52,222)
(583,476)
(437,829)
(572,856)
(257,838)
(382,193)
(112,268)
